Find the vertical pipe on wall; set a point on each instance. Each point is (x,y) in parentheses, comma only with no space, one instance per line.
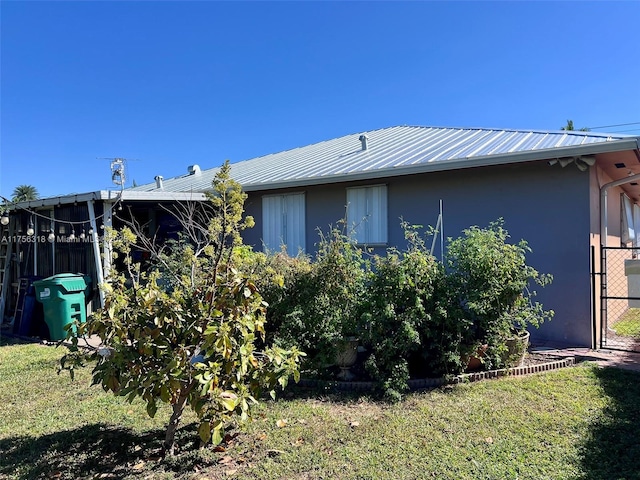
(35,248)
(441,233)
(107,221)
(603,295)
(52,240)
(594,340)
(96,250)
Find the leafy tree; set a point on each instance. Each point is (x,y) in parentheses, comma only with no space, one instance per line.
(185,332)
(24,193)
(569,127)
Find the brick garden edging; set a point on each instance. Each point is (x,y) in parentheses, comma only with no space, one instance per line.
(426,383)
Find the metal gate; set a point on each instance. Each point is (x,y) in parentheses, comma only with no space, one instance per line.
(620,298)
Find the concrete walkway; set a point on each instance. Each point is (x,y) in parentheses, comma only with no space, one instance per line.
(603,357)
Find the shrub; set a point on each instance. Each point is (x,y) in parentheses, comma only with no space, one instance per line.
(317,303)
(404,316)
(281,280)
(489,286)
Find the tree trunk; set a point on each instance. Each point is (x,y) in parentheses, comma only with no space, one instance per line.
(168,447)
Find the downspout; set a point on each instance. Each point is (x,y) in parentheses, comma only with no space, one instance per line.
(603,204)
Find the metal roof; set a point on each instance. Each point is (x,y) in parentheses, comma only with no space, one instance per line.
(400,150)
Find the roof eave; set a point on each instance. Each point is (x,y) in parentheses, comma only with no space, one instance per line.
(111,196)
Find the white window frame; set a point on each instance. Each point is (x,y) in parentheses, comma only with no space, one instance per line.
(367,214)
(284,223)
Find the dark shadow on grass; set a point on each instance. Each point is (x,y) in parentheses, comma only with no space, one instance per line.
(612,450)
(91,450)
(8,339)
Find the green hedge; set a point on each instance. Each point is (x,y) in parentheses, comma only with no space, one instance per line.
(414,315)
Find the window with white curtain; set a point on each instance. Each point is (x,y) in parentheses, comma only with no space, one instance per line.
(636,223)
(628,232)
(367,214)
(283,223)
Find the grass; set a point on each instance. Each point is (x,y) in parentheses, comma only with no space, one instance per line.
(629,324)
(579,423)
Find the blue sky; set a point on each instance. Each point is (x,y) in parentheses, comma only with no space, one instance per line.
(170,84)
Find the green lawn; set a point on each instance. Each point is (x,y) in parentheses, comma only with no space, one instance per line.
(577,423)
(629,324)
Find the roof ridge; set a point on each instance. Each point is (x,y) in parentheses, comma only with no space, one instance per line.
(517,130)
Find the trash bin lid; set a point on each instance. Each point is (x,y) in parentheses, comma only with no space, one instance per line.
(69,282)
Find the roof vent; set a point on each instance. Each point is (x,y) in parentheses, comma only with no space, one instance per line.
(363,139)
(194,169)
(159,179)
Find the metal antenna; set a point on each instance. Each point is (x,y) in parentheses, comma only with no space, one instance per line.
(118,176)
(117,172)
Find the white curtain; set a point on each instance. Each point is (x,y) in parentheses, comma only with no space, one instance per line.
(628,233)
(367,214)
(283,222)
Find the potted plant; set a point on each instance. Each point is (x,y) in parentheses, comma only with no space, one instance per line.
(523,314)
(346,356)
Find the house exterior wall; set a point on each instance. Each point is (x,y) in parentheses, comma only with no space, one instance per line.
(617,278)
(547,206)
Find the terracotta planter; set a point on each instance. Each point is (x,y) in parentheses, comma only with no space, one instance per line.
(474,362)
(346,356)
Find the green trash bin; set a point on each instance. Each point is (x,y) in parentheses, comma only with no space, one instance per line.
(63,301)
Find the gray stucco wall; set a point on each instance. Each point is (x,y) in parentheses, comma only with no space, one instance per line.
(547,206)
